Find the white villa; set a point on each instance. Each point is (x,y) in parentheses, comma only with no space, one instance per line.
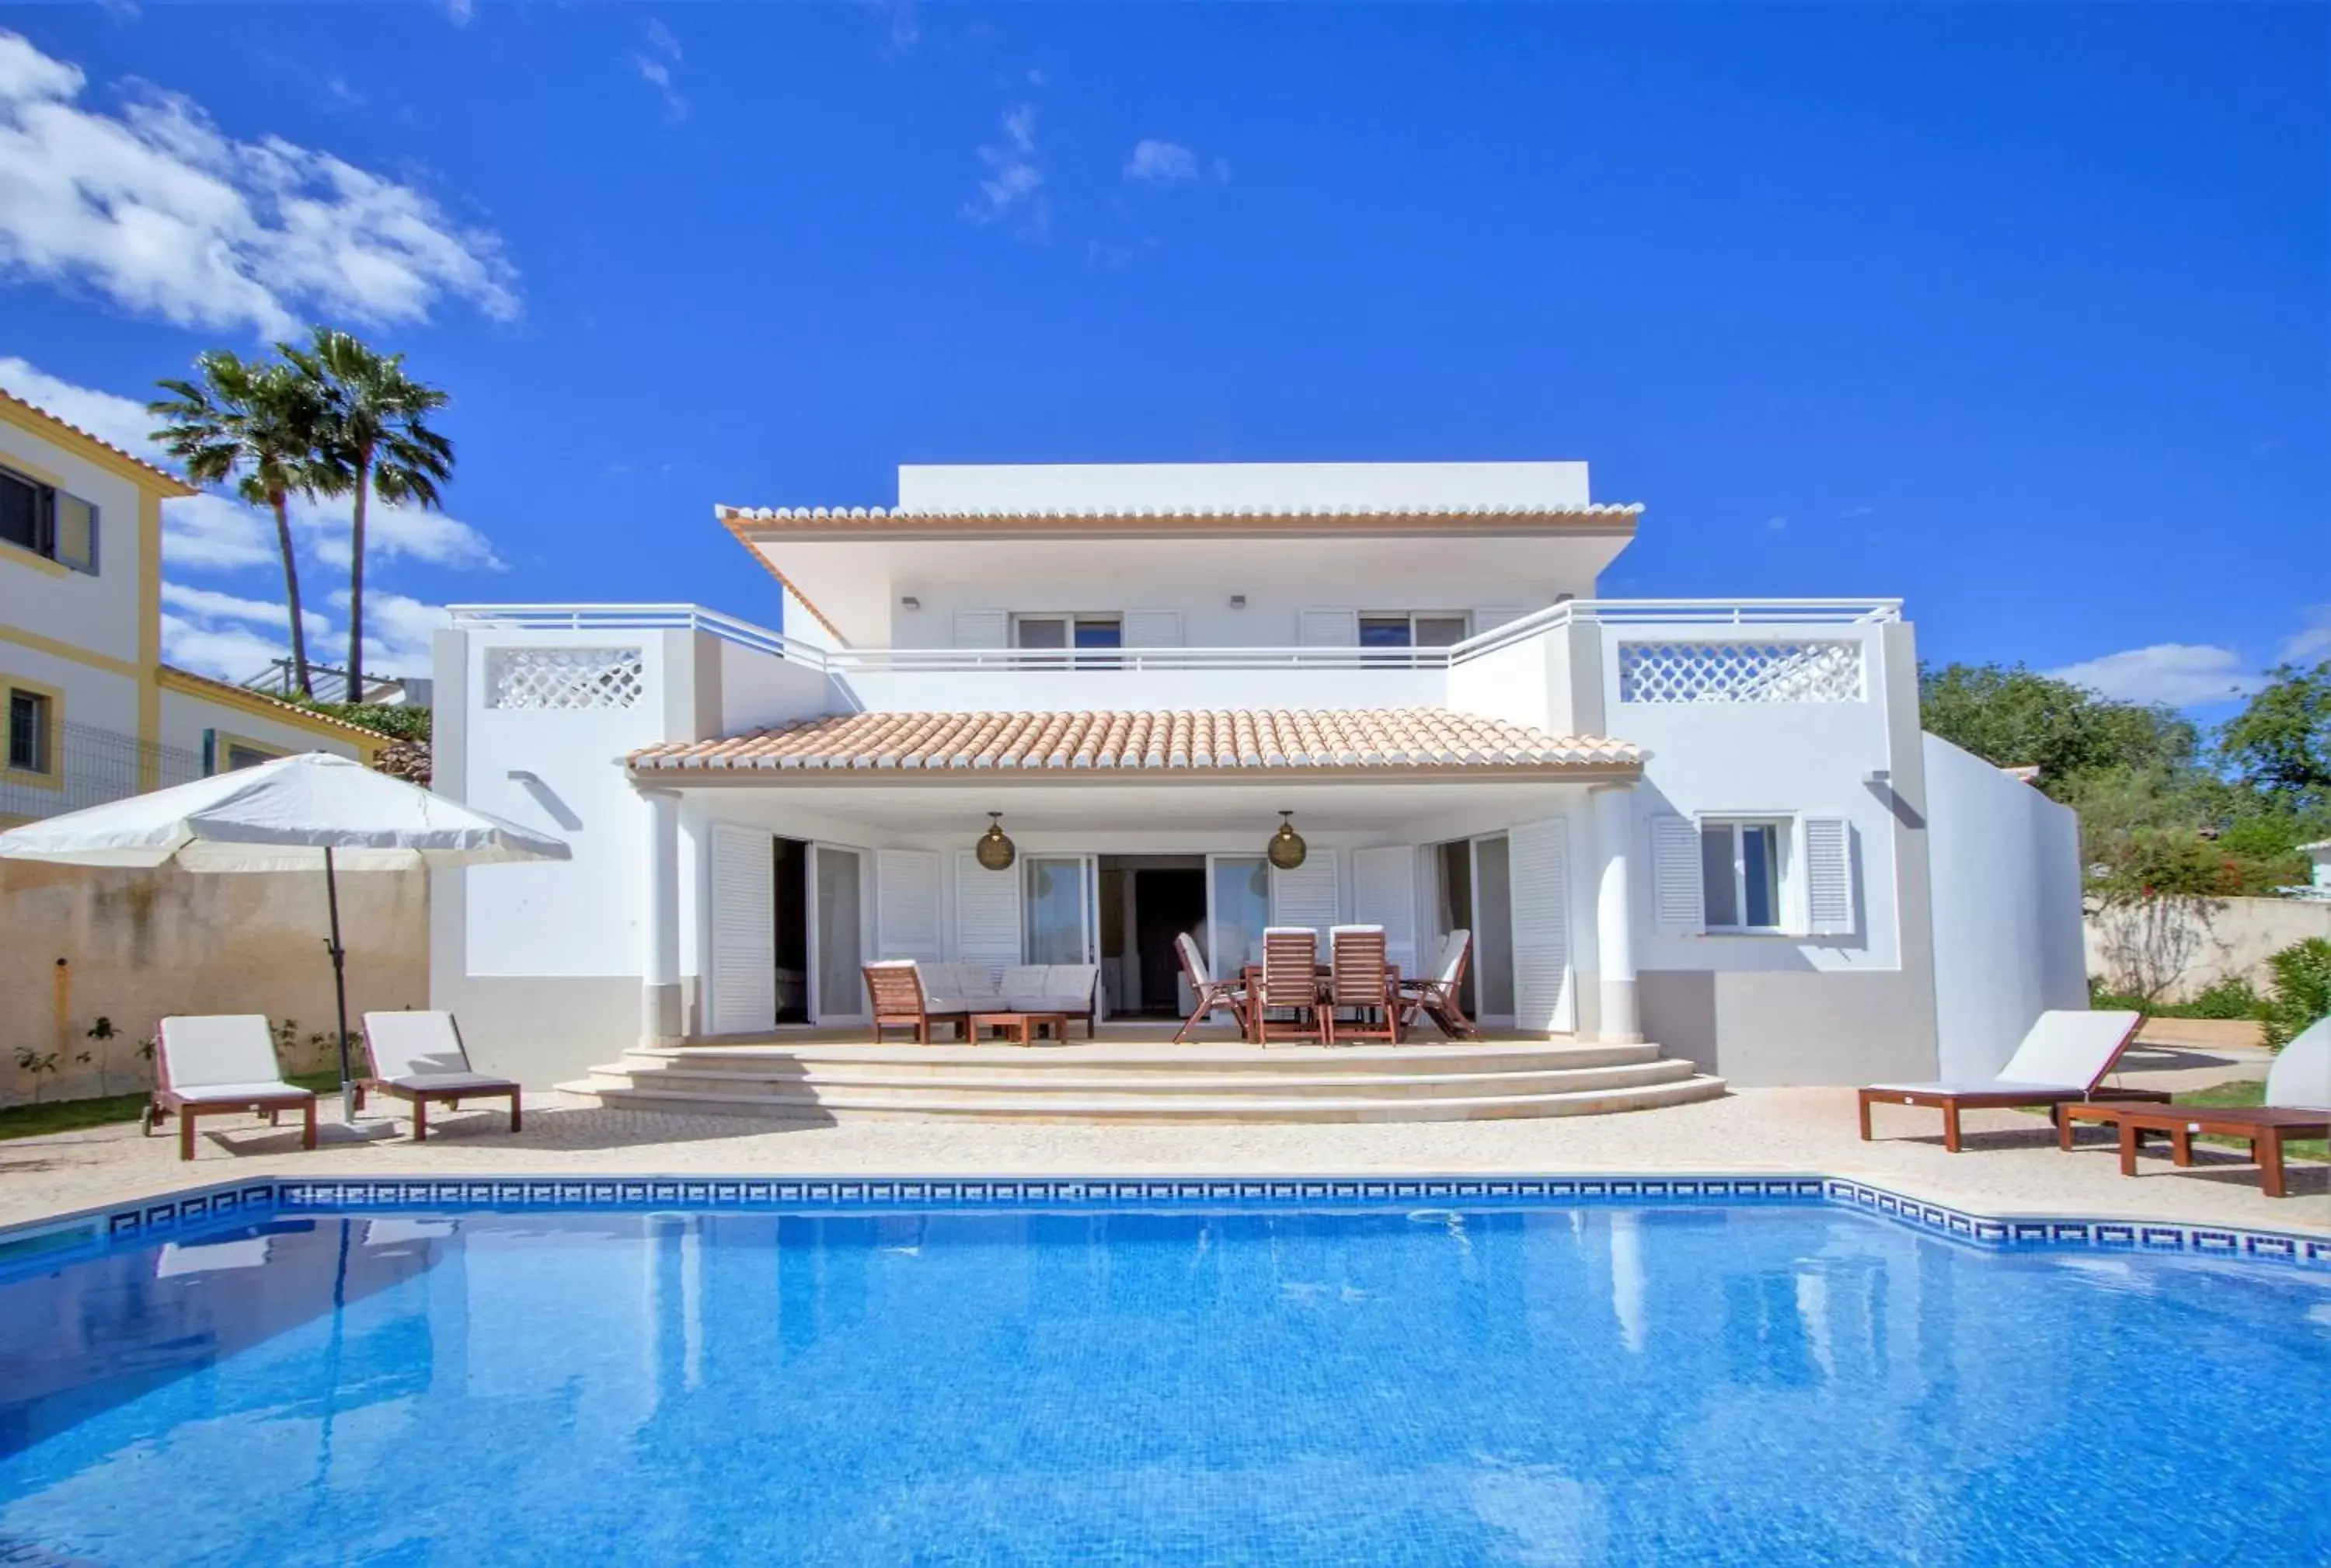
(1711,826)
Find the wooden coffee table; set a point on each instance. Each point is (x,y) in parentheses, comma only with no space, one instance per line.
(1021,1028)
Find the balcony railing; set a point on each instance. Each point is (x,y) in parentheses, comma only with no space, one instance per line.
(96,766)
(1740,616)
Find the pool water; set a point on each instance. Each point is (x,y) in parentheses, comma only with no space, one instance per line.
(1562,1385)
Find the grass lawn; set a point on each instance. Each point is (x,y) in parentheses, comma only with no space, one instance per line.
(2251,1091)
(68,1115)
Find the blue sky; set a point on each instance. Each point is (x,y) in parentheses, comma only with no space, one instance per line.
(2021,313)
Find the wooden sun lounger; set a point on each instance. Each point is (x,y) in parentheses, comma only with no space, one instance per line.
(2266,1128)
(207,1065)
(2063,1061)
(419,1057)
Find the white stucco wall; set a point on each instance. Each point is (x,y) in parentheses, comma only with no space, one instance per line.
(2006,867)
(1237,486)
(185,717)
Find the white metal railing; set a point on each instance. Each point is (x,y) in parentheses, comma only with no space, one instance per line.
(1749,616)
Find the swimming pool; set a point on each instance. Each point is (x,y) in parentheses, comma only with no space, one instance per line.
(1558,1383)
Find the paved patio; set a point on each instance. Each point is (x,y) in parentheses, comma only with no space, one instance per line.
(2011,1166)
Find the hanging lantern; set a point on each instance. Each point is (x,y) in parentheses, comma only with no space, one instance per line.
(993,851)
(1287,848)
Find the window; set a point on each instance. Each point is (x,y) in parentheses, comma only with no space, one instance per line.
(1740,871)
(1420,629)
(1068,631)
(48,522)
(226,753)
(32,731)
(239,756)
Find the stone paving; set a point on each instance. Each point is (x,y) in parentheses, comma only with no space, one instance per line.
(2011,1166)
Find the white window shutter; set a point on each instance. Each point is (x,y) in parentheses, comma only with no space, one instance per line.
(1828,876)
(983,629)
(1153,629)
(1676,903)
(907,904)
(1307,896)
(1383,893)
(1539,854)
(1327,628)
(986,914)
(744,931)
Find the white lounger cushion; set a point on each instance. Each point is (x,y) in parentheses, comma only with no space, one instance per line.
(2063,1052)
(227,1056)
(405,1043)
(1023,988)
(2300,1079)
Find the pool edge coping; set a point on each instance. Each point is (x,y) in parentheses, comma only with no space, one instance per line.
(79,1232)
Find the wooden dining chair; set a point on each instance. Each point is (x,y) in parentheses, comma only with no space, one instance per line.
(1362,982)
(1210,995)
(1291,983)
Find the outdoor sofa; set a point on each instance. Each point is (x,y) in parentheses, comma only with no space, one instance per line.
(2297,1105)
(908,993)
(2063,1060)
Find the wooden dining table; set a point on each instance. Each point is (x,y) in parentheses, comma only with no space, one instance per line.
(1251,974)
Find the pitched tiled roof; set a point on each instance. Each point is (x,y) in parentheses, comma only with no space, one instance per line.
(172,485)
(1332,740)
(877,520)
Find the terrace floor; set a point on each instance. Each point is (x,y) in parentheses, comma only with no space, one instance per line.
(2011,1166)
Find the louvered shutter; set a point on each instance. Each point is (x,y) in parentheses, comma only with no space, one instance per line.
(1828,876)
(1328,628)
(1539,854)
(744,930)
(1306,896)
(907,904)
(983,629)
(986,914)
(1383,893)
(1153,629)
(1676,902)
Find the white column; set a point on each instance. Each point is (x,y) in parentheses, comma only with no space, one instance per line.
(1614,916)
(660,918)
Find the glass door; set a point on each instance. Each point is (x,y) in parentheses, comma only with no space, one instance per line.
(1476,893)
(837,908)
(1238,907)
(1060,903)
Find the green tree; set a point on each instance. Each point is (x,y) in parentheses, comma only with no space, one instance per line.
(2014,717)
(373,433)
(258,425)
(2280,745)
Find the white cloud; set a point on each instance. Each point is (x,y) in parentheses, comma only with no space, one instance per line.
(159,210)
(231,651)
(460,11)
(210,604)
(397,632)
(1777,523)
(655,66)
(2180,674)
(1015,185)
(1162,163)
(2311,641)
(217,533)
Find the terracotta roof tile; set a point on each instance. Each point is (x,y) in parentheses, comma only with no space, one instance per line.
(175,485)
(1211,740)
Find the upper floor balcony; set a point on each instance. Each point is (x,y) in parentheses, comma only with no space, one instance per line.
(1564,667)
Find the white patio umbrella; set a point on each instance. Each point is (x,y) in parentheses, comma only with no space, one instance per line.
(297,813)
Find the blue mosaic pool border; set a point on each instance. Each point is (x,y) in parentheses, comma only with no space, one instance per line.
(41,1241)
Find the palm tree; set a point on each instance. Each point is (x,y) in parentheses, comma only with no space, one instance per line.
(374,434)
(260,422)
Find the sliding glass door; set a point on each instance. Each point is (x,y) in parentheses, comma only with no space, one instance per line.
(1238,907)
(838,908)
(1476,895)
(1058,902)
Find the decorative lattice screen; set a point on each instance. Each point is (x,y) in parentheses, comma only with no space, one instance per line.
(1740,672)
(564,678)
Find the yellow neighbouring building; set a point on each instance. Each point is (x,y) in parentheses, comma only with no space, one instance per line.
(93,713)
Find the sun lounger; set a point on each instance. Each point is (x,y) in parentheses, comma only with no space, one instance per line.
(1208,994)
(224,1063)
(2064,1058)
(2298,1105)
(1436,995)
(418,1058)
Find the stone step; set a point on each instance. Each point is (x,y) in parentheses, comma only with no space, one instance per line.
(1142,1062)
(823,1078)
(817,1106)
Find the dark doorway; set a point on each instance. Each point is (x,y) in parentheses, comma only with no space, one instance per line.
(1457,908)
(1164,905)
(793,931)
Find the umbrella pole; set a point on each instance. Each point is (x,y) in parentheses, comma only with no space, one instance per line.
(339,991)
